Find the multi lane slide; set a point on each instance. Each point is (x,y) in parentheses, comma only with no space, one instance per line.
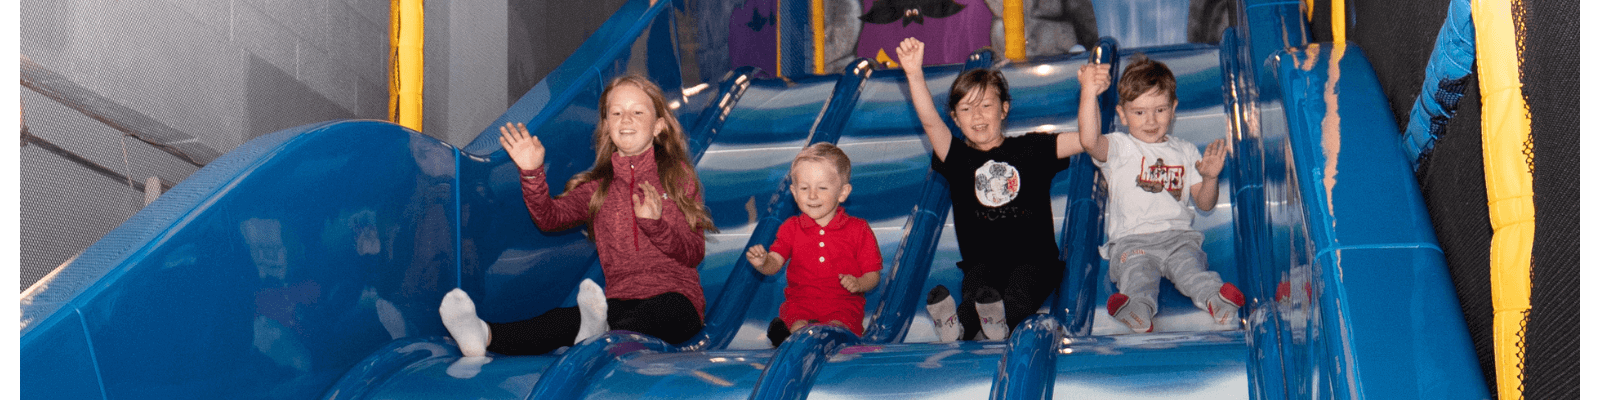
(309,263)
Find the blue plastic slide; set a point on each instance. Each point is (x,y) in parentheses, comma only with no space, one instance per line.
(310,263)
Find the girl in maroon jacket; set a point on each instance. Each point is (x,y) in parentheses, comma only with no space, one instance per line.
(648,249)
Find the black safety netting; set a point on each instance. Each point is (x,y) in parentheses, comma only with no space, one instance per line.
(1550,86)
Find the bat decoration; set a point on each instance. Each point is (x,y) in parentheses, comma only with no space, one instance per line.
(908,11)
(758,21)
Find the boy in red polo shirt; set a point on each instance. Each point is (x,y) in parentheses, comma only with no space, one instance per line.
(835,255)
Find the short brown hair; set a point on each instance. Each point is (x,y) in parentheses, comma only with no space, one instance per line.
(1141,75)
(978,80)
(825,153)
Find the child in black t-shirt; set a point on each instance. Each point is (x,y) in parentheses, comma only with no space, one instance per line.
(1000,193)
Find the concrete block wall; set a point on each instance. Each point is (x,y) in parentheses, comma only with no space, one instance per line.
(222,72)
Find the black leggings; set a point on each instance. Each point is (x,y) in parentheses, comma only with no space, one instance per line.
(668,316)
(1023,287)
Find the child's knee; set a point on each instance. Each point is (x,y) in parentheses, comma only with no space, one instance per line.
(1133,261)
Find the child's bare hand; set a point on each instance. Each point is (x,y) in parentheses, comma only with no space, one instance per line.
(910,53)
(850,283)
(757,255)
(648,207)
(1094,78)
(1210,164)
(525,150)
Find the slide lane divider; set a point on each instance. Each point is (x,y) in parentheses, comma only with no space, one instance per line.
(1252,243)
(794,367)
(569,376)
(1083,228)
(1028,367)
(709,124)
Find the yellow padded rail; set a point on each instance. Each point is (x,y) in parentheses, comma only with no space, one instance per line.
(1016,37)
(405,55)
(1510,188)
(819,35)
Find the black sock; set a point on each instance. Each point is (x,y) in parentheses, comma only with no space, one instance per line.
(777,332)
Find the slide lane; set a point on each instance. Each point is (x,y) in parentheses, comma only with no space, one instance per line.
(961,370)
(746,166)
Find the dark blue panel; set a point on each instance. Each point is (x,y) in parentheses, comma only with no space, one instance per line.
(1402,332)
(59,364)
(1269,26)
(281,274)
(1344,285)
(1329,91)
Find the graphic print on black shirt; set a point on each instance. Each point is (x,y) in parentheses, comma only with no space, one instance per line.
(1159,176)
(996,183)
(1000,199)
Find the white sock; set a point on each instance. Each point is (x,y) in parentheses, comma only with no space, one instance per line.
(992,317)
(943,313)
(1137,316)
(1222,311)
(391,319)
(461,319)
(592,308)
(467,367)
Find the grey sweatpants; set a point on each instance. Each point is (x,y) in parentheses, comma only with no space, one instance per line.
(1138,262)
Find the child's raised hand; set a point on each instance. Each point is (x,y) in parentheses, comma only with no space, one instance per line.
(648,207)
(1095,78)
(757,256)
(910,53)
(1210,164)
(525,150)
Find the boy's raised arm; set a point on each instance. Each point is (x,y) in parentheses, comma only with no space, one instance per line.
(910,52)
(1209,166)
(1093,79)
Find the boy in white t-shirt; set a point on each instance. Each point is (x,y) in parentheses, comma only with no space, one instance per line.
(1152,178)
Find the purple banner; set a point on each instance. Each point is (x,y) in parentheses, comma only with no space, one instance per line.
(753,36)
(949,29)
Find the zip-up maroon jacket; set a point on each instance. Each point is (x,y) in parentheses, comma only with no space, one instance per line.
(641,257)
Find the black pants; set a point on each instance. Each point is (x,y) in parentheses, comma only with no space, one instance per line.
(669,317)
(1024,289)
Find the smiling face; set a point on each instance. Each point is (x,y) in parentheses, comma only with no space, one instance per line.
(630,119)
(818,190)
(1149,116)
(981,117)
